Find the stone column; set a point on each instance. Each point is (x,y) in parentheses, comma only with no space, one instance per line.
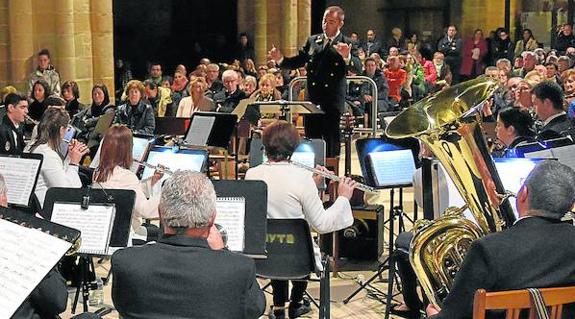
(103,43)
(4,44)
(275,18)
(289,27)
(65,47)
(21,42)
(303,21)
(261,28)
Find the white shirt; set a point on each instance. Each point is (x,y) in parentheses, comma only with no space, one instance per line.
(54,172)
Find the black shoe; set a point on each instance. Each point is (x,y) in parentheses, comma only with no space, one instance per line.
(298,309)
(408,314)
(277,315)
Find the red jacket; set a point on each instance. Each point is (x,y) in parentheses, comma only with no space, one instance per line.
(467,62)
(395,80)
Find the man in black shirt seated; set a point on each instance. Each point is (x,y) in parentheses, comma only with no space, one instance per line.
(548,103)
(187,274)
(536,252)
(227,100)
(12,127)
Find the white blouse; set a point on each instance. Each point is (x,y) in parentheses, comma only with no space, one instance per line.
(54,172)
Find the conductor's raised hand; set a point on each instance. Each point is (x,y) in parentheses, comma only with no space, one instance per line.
(345,187)
(275,54)
(343,49)
(76,150)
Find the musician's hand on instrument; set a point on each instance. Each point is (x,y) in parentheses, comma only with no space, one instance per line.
(215,240)
(318,178)
(343,49)
(368,98)
(487,107)
(345,187)
(432,309)
(275,54)
(76,150)
(158,174)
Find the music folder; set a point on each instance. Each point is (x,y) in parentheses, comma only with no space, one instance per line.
(31,247)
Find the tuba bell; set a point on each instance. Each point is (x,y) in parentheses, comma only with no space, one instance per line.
(448,123)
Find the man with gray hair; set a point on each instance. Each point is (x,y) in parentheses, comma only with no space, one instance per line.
(536,252)
(187,274)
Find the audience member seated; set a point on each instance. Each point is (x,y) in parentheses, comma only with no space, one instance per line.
(114,172)
(443,71)
(136,113)
(515,258)
(179,88)
(85,120)
(159,98)
(514,127)
(397,40)
(56,171)
(71,94)
(395,78)
(40,92)
(565,39)
(226,100)
(250,84)
(568,82)
(523,99)
(382,88)
(548,103)
(196,101)
(371,44)
(45,71)
(292,193)
(213,80)
(526,43)
(12,126)
(155,73)
(187,274)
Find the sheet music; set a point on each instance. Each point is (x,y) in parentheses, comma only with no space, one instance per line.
(392,167)
(95,224)
(140,146)
(20,176)
(565,155)
(230,215)
(200,129)
(305,158)
(540,154)
(27,255)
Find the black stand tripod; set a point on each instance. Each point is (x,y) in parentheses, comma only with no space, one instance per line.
(396,212)
(85,264)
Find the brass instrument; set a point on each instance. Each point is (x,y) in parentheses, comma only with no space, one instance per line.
(160,168)
(333,177)
(448,123)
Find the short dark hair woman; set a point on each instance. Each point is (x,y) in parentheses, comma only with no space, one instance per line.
(514,127)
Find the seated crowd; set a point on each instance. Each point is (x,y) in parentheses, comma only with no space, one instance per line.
(535,101)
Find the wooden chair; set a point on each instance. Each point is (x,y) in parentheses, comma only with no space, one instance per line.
(515,300)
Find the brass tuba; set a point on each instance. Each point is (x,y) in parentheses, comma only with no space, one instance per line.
(448,123)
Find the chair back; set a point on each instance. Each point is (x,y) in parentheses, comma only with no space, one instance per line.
(289,250)
(516,300)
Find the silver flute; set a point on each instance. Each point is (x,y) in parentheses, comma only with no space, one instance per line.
(31,120)
(333,177)
(155,167)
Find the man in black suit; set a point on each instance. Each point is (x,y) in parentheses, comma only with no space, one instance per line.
(327,56)
(451,46)
(187,274)
(226,100)
(536,252)
(12,127)
(548,103)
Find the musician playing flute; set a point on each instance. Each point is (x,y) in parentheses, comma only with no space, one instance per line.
(292,193)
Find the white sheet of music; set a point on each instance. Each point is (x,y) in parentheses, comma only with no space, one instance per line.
(27,255)
(392,167)
(200,129)
(94,223)
(20,175)
(305,158)
(230,214)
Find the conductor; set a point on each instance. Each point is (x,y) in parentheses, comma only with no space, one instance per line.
(327,56)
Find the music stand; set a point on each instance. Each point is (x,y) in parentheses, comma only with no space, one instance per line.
(202,132)
(172,125)
(255,194)
(282,107)
(20,172)
(124,204)
(387,164)
(104,122)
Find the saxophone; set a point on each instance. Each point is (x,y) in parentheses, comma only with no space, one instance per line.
(448,123)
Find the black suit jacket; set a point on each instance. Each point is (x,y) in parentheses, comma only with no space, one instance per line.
(8,144)
(557,127)
(326,70)
(48,300)
(181,277)
(226,103)
(534,253)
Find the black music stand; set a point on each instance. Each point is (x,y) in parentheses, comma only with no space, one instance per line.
(124,202)
(175,126)
(256,199)
(210,129)
(387,164)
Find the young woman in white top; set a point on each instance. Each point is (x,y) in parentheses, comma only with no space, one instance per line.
(292,193)
(114,172)
(57,170)
(196,101)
